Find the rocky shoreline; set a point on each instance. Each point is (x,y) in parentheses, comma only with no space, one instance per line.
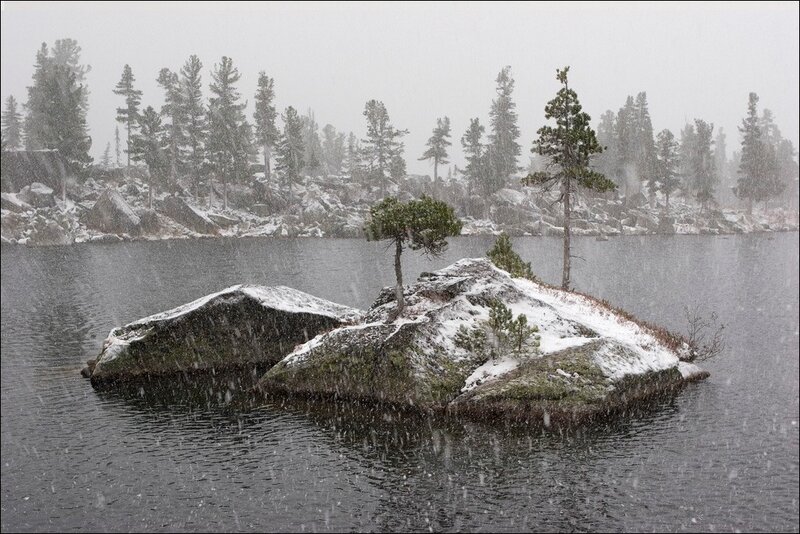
(101,212)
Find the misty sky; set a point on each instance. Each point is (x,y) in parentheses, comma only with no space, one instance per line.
(429,60)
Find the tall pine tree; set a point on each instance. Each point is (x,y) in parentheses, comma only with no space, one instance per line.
(61,118)
(503,147)
(267,133)
(382,146)
(12,125)
(174,120)
(474,153)
(312,157)
(150,145)
(129,114)
(194,116)
(291,150)
(667,165)
(752,166)
(333,149)
(570,146)
(626,146)
(703,171)
(437,147)
(230,136)
(645,147)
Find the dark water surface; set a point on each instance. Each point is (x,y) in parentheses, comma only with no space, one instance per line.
(721,456)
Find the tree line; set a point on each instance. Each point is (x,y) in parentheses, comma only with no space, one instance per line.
(204,134)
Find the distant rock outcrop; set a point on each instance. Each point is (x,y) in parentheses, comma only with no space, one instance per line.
(37,195)
(112,215)
(179,211)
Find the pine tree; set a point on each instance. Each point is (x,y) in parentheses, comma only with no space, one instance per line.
(686,150)
(626,146)
(333,149)
(264,116)
(382,147)
(174,120)
(312,157)
(645,147)
(667,165)
(194,115)
(770,133)
(606,162)
(787,166)
(116,146)
(422,224)
(437,147)
(230,138)
(12,125)
(291,149)
(704,174)
(67,53)
(60,118)
(105,161)
(570,146)
(752,168)
(133,98)
(354,163)
(721,157)
(33,123)
(474,153)
(150,145)
(503,146)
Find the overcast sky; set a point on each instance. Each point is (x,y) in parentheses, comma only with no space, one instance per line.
(429,60)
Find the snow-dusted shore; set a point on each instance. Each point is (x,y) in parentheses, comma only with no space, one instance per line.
(334,207)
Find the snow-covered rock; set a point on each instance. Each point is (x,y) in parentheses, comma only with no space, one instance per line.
(441,355)
(12,202)
(111,214)
(37,195)
(238,326)
(179,211)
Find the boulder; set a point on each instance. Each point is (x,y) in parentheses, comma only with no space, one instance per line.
(179,211)
(37,195)
(239,326)
(112,215)
(149,221)
(443,355)
(49,233)
(223,221)
(10,202)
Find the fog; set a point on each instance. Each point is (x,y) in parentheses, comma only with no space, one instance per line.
(427,61)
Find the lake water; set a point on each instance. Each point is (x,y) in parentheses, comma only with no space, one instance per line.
(721,456)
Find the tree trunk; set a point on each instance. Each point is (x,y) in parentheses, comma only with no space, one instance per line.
(398,291)
(150,194)
(266,163)
(128,143)
(749,205)
(436,178)
(567,213)
(667,203)
(225,194)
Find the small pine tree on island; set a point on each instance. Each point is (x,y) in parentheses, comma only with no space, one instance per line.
(422,224)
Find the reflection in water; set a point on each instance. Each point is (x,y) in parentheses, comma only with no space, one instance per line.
(721,455)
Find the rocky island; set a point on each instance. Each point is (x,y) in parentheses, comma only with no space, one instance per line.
(446,353)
